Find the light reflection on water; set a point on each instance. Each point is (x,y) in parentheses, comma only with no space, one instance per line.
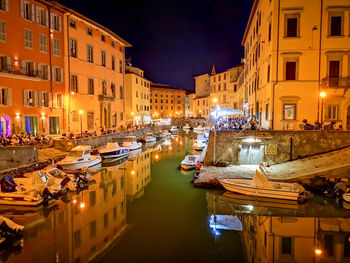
(145,210)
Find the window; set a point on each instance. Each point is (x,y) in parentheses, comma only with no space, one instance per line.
(44,71)
(268,73)
(92,229)
(120,66)
(104,87)
(73,48)
(54,125)
(28,38)
(105,220)
(235,88)
(57,74)
(44,99)
(267,112)
(77,239)
(2,30)
(74,83)
(89,31)
(121,90)
(332,112)
(92,198)
(113,89)
(4,5)
(28,68)
(112,44)
(72,23)
(41,16)
(91,87)
(347,246)
(121,116)
(286,246)
(6,97)
(269,32)
(90,54)
(336,26)
(289,111)
(56,22)
(59,103)
(120,48)
(291,70)
(103,58)
(27,10)
(329,245)
(292,26)
(42,43)
(90,120)
(56,47)
(103,38)
(113,64)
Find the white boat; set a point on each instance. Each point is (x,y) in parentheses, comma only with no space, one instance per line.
(166,133)
(199,128)
(131,143)
(149,138)
(190,162)
(174,130)
(346,196)
(200,144)
(113,151)
(186,127)
(261,186)
(78,158)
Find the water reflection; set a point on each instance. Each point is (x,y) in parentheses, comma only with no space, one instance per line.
(275,231)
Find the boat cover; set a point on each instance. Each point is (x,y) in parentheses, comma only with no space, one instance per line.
(261,181)
(8,185)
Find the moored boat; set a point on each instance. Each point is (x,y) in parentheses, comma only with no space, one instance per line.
(174,130)
(200,144)
(131,143)
(113,151)
(187,127)
(149,138)
(190,162)
(79,157)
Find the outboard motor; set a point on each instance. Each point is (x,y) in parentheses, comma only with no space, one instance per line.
(8,185)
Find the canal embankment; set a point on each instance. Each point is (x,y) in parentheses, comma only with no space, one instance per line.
(291,156)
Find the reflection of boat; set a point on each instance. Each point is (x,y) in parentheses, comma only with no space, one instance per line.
(346,197)
(166,142)
(189,162)
(113,151)
(150,144)
(115,162)
(78,158)
(186,127)
(166,133)
(200,144)
(149,138)
(131,143)
(261,186)
(174,130)
(133,154)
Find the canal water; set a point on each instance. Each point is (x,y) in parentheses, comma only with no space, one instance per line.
(145,209)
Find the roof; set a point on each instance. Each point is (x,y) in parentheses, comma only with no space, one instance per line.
(201,97)
(81,148)
(71,11)
(251,16)
(164,86)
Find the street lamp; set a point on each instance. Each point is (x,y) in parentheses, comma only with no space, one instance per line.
(323,95)
(81,121)
(132,115)
(215,100)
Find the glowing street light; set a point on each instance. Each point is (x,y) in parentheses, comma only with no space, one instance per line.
(215,100)
(318,251)
(82,205)
(81,121)
(323,95)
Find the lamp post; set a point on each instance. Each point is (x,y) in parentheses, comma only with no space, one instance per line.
(132,116)
(323,95)
(81,121)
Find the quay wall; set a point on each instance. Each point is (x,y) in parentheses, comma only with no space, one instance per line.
(13,156)
(180,122)
(275,146)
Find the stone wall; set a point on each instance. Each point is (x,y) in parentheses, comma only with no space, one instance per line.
(180,122)
(95,142)
(13,156)
(276,146)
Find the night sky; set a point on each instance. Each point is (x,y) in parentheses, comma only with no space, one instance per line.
(174,40)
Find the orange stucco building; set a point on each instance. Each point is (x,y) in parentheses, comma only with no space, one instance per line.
(31,68)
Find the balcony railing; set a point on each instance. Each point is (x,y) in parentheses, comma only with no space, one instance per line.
(340,82)
(103,97)
(20,71)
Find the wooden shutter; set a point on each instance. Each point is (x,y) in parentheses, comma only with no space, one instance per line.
(49,72)
(51,19)
(40,99)
(9,63)
(61,69)
(35,98)
(50,94)
(37,14)
(54,73)
(9,97)
(33,12)
(54,100)
(22,9)
(60,23)
(6,5)
(25,98)
(23,66)
(47,18)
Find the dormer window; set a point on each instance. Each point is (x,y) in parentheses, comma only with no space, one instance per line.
(103,38)
(72,23)
(89,31)
(112,43)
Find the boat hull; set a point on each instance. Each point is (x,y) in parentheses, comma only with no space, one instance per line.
(346,197)
(114,155)
(80,165)
(262,192)
(188,166)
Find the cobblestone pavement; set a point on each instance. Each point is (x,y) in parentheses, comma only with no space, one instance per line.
(49,153)
(328,164)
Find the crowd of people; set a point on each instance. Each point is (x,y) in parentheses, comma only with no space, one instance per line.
(238,123)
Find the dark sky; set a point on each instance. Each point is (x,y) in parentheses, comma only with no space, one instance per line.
(174,40)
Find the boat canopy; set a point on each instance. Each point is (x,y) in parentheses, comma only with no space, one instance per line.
(261,181)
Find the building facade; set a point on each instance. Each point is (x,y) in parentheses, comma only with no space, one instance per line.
(189,104)
(94,74)
(201,107)
(166,101)
(31,68)
(137,96)
(297,62)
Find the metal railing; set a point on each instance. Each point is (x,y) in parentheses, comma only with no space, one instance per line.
(339,82)
(23,71)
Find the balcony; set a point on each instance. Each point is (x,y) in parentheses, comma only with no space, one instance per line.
(9,69)
(103,97)
(338,83)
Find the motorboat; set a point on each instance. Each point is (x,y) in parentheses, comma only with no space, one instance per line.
(346,196)
(149,138)
(199,128)
(79,157)
(113,151)
(159,135)
(261,186)
(187,127)
(190,162)
(166,133)
(174,130)
(200,144)
(131,143)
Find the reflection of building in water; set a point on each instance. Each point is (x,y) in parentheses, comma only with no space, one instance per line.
(176,149)
(98,216)
(275,231)
(138,174)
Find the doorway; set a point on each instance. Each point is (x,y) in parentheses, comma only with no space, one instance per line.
(31,125)
(5,126)
(251,154)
